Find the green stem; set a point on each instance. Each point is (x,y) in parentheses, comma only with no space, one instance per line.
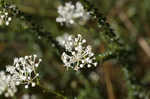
(48,90)
(14,97)
(129,85)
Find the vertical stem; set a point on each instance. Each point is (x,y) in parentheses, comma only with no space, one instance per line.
(128,83)
(108,81)
(14,97)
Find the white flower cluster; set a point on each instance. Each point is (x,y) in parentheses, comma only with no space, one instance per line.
(61,39)
(23,71)
(77,55)
(7,85)
(70,12)
(4,18)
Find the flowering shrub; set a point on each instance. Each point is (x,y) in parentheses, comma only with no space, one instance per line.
(101,60)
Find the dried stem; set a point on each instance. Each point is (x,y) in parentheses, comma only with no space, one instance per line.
(108,81)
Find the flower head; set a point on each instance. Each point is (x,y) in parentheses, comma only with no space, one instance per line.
(24,70)
(78,55)
(70,12)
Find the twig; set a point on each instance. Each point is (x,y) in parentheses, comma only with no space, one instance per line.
(144,45)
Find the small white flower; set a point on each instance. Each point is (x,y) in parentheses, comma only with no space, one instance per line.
(94,76)
(70,12)
(24,70)
(26,86)
(78,55)
(33,84)
(27,96)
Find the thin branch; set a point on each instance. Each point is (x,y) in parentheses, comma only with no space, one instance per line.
(48,90)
